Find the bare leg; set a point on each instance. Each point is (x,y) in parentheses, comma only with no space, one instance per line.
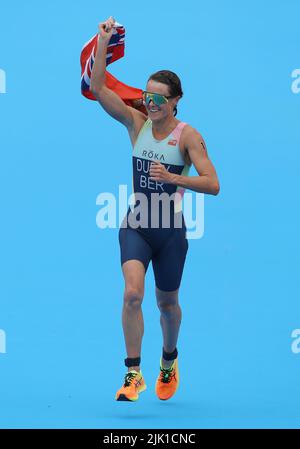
(170,320)
(132,316)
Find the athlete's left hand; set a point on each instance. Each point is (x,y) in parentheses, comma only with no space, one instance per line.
(158,172)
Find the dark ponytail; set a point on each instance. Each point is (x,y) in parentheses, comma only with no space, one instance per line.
(170,79)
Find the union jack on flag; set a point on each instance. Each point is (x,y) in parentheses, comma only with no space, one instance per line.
(116,45)
(115,51)
(132,96)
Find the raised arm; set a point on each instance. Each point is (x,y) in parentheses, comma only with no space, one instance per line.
(108,99)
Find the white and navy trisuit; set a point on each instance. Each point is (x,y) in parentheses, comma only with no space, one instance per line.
(166,247)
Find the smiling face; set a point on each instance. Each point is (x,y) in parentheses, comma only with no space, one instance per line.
(165,110)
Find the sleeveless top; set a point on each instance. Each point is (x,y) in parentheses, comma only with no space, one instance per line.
(166,151)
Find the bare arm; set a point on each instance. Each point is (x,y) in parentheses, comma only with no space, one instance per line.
(206,182)
(108,99)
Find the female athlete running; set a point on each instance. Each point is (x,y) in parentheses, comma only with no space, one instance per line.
(164,149)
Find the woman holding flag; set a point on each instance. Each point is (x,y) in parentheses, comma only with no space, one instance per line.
(164,149)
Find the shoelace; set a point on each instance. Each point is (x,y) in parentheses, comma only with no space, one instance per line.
(166,375)
(128,378)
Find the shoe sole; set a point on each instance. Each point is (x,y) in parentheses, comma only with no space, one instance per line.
(123,397)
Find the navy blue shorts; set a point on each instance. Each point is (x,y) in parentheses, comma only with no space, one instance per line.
(167,248)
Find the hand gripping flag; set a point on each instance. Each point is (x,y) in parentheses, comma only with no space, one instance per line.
(131,96)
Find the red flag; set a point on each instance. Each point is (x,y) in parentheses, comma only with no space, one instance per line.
(131,96)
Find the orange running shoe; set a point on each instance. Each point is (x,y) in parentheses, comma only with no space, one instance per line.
(133,385)
(168,381)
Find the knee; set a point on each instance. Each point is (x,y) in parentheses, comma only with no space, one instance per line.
(133,297)
(168,307)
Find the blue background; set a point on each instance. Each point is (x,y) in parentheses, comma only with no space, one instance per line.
(61,284)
